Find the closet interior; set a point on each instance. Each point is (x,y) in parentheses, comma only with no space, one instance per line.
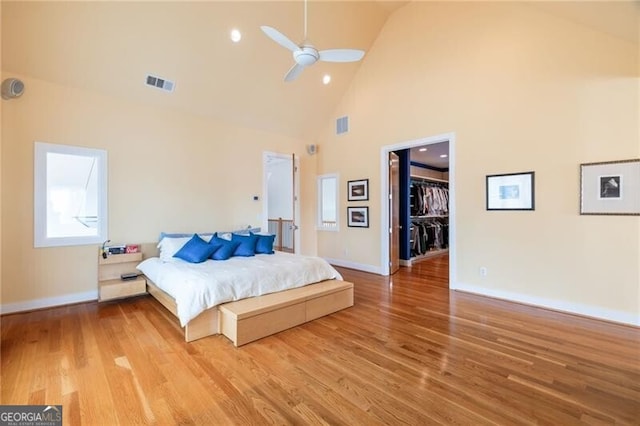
(424,202)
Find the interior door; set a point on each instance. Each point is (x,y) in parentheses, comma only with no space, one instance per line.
(280,199)
(394,213)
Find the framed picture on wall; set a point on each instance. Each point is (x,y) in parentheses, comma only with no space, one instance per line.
(358,217)
(511,191)
(358,190)
(610,188)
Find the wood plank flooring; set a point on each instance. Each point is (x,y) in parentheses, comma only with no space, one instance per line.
(409,352)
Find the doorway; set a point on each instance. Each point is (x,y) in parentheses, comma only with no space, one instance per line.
(425,223)
(280,209)
(387,214)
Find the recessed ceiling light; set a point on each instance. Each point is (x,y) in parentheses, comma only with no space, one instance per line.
(236,36)
(444,156)
(326,79)
(422,149)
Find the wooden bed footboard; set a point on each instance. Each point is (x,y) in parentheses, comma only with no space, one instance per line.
(205,324)
(250,319)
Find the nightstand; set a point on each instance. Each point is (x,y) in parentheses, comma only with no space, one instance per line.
(110,286)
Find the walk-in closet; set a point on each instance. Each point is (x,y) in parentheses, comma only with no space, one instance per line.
(424,202)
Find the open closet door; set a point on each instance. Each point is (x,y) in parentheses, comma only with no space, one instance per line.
(281,198)
(394,213)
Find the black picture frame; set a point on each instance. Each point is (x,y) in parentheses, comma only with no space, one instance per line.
(610,188)
(358,190)
(358,217)
(511,191)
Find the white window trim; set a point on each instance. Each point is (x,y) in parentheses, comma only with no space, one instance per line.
(41,149)
(319,225)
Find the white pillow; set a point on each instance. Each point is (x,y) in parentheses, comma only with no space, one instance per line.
(170,245)
(206,237)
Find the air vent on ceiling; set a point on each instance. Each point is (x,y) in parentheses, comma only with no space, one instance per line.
(160,83)
(342,125)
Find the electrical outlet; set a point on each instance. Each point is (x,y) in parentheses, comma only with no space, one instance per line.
(483,271)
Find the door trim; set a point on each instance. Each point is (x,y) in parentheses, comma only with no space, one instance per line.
(393,206)
(384,191)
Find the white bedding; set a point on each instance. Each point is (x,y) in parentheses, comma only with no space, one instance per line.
(200,286)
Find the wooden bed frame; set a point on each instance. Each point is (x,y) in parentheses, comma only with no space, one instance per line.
(250,319)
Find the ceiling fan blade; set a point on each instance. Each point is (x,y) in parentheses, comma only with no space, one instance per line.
(294,72)
(280,38)
(341,55)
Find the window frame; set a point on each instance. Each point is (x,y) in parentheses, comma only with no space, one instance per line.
(40,238)
(320,226)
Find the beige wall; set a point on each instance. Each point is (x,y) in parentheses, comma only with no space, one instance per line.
(168,171)
(522,90)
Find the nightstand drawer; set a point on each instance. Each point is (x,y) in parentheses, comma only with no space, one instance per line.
(116,289)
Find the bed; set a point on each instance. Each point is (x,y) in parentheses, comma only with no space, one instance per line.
(245,298)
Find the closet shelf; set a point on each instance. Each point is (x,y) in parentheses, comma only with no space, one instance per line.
(429,216)
(427,179)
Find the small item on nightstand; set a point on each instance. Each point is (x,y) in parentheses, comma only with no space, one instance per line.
(117,249)
(132,248)
(129,276)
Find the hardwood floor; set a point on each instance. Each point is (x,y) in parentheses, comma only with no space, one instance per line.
(408,352)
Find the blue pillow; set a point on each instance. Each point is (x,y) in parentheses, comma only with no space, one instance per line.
(196,250)
(222,249)
(216,243)
(247,245)
(265,244)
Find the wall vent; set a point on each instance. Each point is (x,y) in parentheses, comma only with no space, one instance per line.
(160,83)
(342,125)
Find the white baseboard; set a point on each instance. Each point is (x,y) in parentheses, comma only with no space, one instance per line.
(558,305)
(49,302)
(353,265)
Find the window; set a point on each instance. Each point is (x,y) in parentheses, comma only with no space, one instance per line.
(328,202)
(70,197)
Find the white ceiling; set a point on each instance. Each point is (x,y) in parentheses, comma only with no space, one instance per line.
(432,156)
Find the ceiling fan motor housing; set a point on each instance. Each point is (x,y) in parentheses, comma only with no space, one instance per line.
(307,55)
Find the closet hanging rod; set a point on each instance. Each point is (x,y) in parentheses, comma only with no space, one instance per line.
(444,185)
(425,218)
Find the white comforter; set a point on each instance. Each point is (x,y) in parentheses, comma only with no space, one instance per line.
(197,287)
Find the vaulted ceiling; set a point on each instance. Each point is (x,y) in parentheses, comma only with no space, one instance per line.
(109,47)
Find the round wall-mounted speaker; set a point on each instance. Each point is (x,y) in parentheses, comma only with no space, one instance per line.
(12,88)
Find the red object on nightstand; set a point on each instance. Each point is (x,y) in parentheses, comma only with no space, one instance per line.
(132,248)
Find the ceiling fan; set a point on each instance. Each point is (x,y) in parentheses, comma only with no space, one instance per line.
(306,54)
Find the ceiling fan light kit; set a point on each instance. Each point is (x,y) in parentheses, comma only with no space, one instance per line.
(306,54)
